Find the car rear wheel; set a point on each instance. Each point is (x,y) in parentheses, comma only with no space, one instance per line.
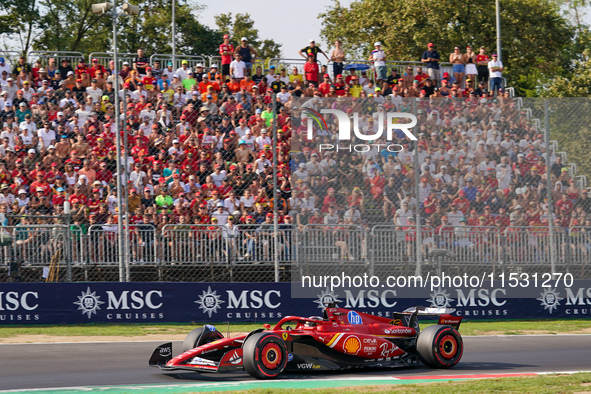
(264,355)
(440,346)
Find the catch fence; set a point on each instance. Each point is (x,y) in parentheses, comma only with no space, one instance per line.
(243,253)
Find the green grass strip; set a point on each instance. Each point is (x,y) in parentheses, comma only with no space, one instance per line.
(545,384)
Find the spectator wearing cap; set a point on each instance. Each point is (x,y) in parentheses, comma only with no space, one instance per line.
(324,87)
(4,67)
(29,128)
(378,57)
(182,71)
(313,50)
(355,87)
(517,217)
(271,76)
(189,81)
(94,91)
(27,92)
(95,68)
(226,50)
(247,54)
(168,71)
(431,58)
(65,67)
(150,81)
(11,88)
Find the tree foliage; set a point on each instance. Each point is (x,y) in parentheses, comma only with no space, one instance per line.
(69,26)
(22,20)
(576,84)
(536,37)
(152,30)
(241,25)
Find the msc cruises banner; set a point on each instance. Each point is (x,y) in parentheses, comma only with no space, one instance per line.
(75,303)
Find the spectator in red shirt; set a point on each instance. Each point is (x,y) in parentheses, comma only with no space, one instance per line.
(462,203)
(226,51)
(324,87)
(78,195)
(565,203)
(421,76)
(311,70)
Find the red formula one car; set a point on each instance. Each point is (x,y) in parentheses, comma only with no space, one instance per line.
(341,339)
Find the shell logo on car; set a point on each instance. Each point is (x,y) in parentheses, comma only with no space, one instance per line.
(352,345)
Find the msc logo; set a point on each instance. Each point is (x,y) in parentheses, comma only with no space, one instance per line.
(345,124)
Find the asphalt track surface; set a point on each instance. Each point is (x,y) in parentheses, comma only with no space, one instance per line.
(30,366)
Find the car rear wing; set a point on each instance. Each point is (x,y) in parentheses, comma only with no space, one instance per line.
(445,317)
(424,311)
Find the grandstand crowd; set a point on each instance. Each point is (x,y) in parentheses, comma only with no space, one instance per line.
(199,144)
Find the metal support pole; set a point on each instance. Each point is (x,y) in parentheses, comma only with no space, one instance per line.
(118,151)
(549,187)
(275,206)
(174,34)
(125,195)
(418,205)
(498,17)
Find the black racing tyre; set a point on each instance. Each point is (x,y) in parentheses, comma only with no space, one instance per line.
(191,339)
(264,355)
(440,346)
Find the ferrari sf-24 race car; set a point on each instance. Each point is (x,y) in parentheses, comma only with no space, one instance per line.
(341,339)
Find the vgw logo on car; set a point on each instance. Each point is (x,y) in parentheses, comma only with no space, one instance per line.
(344,123)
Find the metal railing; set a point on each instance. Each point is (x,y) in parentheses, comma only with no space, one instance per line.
(105,57)
(187,252)
(73,56)
(217,60)
(164,58)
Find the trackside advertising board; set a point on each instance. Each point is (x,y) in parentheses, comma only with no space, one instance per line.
(76,303)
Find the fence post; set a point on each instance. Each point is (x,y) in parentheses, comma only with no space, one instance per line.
(417,197)
(275,207)
(549,188)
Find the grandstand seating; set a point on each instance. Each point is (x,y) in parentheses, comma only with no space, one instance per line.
(199,175)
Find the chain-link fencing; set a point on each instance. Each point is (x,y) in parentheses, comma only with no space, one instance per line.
(238,189)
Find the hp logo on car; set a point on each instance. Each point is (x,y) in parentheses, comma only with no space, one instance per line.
(354,318)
